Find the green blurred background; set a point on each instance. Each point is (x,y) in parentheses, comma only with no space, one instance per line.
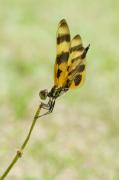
(80,139)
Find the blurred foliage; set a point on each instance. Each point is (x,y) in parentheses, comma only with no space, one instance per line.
(80,139)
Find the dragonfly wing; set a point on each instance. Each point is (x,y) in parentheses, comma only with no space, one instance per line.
(63,47)
(76,69)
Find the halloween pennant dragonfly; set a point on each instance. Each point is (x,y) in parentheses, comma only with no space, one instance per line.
(69,69)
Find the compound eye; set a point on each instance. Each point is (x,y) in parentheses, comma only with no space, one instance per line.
(43,94)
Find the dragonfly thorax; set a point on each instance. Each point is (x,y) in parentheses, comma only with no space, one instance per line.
(56,92)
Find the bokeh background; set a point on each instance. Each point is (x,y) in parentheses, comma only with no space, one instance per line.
(80,139)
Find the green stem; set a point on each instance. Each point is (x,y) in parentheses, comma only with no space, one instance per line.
(20,151)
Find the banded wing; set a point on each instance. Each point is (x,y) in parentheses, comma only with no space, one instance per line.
(76,50)
(76,63)
(63,47)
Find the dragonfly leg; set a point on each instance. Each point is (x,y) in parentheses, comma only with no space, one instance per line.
(45,106)
(49,107)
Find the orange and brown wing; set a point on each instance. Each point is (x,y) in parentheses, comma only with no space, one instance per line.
(76,51)
(63,47)
(76,63)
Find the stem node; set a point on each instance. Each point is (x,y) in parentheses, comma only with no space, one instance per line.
(19,153)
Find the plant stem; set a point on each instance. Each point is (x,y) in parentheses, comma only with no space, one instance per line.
(20,151)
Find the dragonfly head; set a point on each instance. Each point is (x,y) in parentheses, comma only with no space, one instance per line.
(43,94)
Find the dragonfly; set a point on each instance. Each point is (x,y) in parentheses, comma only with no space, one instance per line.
(69,68)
